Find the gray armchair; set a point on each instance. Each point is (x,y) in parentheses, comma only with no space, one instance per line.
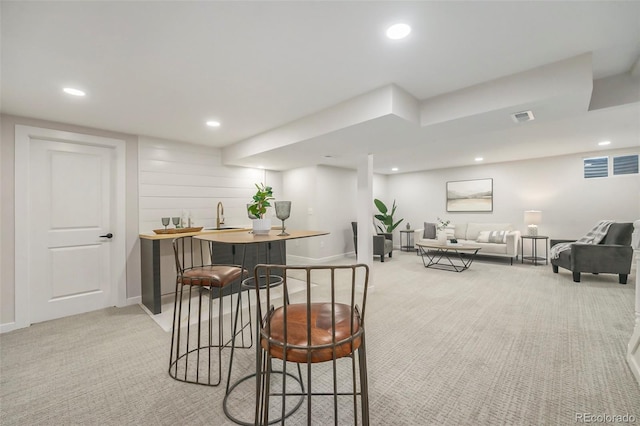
(611,256)
(382,243)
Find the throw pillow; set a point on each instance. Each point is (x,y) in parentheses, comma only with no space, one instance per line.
(483,237)
(450,231)
(498,237)
(493,237)
(429,231)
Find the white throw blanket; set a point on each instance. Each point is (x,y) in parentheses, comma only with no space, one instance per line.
(594,236)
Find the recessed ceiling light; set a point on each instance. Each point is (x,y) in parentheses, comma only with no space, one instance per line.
(213,123)
(603,143)
(479,158)
(398,31)
(74,92)
(394,169)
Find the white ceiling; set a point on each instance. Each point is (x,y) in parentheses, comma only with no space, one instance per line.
(162,69)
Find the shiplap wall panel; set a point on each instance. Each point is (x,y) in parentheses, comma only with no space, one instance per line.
(177,177)
(185,179)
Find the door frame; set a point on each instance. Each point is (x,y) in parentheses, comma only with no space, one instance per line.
(23,137)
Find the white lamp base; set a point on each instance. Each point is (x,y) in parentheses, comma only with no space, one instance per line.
(532,230)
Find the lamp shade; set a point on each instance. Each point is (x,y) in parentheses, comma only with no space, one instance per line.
(532,217)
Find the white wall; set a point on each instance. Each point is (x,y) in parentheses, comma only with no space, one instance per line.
(323,199)
(570,204)
(179,177)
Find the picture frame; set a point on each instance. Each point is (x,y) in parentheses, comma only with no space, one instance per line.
(474,195)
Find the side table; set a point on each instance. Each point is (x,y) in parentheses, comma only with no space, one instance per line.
(409,234)
(534,249)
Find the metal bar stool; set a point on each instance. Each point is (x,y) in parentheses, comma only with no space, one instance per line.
(193,348)
(323,323)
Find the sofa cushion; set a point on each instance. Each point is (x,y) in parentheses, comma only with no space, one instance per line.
(429,230)
(619,233)
(474,229)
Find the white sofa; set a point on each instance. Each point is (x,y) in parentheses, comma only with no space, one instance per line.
(476,234)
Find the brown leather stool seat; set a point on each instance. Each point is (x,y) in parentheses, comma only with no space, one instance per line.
(321,346)
(320,321)
(200,285)
(211,276)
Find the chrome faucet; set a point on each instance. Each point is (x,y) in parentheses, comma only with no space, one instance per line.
(219,215)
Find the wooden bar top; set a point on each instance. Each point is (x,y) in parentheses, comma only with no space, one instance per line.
(154,236)
(249,238)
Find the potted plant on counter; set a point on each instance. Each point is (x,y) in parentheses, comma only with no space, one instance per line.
(258,208)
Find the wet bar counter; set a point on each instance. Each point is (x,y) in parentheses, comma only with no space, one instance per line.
(235,246)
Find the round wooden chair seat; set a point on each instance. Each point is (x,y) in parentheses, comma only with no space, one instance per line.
(347,336)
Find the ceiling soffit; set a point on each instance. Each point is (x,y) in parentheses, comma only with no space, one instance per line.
(552,91)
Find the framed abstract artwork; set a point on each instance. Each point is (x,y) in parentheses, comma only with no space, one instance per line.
(470,195)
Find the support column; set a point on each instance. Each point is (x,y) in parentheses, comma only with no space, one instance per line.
(365,210)
(633,351)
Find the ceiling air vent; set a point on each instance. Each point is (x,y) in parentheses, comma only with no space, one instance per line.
(521,117)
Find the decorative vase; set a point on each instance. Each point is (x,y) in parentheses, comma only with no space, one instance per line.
(408,226)
(261,226)
(442,237)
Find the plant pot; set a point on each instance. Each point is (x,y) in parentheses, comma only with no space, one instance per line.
(261,226)
(442,237)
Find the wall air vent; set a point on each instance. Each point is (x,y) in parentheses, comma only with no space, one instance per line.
(521,117)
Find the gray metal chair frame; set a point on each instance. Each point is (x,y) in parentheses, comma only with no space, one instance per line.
(193,256)
(293,339)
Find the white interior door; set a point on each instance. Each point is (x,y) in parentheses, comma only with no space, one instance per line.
(71,187)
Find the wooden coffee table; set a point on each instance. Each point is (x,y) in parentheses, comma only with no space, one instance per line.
(450,257)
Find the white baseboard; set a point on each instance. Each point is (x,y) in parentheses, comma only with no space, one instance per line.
(134,301)
(9,326)
(300,260)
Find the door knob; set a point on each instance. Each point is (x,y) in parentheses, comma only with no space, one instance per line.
(109,235)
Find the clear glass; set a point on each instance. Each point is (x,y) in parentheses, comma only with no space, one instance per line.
(176,221)
(249,213)
(166,221)
(283,211)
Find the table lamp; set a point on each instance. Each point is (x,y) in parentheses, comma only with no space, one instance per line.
(532,219)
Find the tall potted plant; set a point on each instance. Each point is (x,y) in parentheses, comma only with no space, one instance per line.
(387,225)
(258,208)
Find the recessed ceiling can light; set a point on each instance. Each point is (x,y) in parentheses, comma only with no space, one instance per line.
(398,31)
(479,158)
(213,123)
(74,92)
(603,143)
(394,169)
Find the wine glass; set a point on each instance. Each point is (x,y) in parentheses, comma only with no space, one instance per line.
(176,221)
(251,215)
(166,221)
(283,211)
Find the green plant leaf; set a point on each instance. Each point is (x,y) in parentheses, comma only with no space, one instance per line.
(381,206)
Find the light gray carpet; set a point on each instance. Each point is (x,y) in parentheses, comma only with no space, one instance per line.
(497,344)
